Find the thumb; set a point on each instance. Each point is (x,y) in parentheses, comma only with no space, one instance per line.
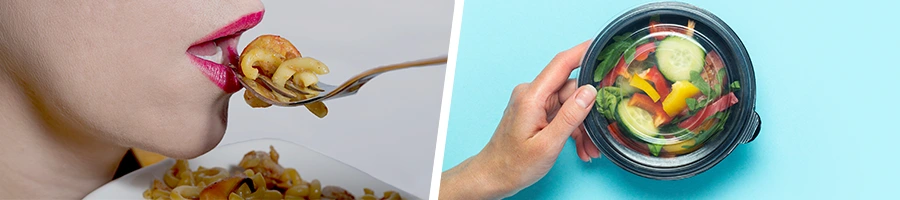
(571,115)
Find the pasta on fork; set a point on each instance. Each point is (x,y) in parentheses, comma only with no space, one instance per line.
(276,58)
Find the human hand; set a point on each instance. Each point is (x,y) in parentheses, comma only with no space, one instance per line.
(538,120)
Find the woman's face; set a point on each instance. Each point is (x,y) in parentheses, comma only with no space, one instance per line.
(122,71)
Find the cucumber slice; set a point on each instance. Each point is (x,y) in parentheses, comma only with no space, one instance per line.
(627,89)
(678,57)
(638,121)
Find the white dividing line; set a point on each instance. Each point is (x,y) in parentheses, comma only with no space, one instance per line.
(445,102)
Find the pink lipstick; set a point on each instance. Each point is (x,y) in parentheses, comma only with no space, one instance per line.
(214,51)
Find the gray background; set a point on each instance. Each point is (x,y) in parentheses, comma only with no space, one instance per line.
(389,128)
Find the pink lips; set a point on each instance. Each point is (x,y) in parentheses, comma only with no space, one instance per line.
(219,48)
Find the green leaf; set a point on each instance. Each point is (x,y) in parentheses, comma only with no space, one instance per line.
(717,89)
(735,85)
(604,54)
(700,83)
(721,75)
(719,126)
(604,68)
(718,115)
(609,56)
(600,72)
(669,128)
(692,104)
(693,109)
(607,100)
(654,149)
(654,18)
(629,55)
(702,136)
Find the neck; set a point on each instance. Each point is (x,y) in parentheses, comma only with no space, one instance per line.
(43,159)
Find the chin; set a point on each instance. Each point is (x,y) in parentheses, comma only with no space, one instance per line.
(196,138)
(198,147)
(190,145)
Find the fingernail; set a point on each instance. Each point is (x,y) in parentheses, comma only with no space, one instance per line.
(585,96)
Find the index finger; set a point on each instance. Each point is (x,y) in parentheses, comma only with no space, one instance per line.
(557,71)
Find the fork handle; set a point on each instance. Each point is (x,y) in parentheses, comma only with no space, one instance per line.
(369,74)
(417,63)
(359,80)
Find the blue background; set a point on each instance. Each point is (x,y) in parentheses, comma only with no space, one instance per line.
(827,93)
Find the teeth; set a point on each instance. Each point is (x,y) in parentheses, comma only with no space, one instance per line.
(217,51)
(217,57)
(226,46)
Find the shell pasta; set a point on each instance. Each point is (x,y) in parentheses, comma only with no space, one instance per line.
(276,58)
(262,178)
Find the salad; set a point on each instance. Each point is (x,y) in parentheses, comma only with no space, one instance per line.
(663,89)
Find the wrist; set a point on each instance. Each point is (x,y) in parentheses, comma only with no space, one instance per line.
(475,178)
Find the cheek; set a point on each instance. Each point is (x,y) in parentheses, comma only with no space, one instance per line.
(178,115)
(155,99)
(119,72)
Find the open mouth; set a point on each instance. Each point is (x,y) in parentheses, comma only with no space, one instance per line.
(213,53)
(213,58)
(218,51)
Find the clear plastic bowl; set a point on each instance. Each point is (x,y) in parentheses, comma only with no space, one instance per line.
(653,131)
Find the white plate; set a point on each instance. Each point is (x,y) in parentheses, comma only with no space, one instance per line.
(310,164)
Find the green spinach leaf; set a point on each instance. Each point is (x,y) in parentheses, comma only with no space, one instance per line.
(629,55)
(706,134)
(610,55)
(700,83)
(654,149)
(607,100)
(721,75)
(735,86)
(692,104)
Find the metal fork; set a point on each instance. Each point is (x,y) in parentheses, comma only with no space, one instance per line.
(327,91)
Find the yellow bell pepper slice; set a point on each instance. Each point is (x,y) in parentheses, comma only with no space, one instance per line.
(642,84)
(675,102)
(681,147)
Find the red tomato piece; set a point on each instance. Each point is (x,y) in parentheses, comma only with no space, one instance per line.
(641,52)
(619,70)
(719,105)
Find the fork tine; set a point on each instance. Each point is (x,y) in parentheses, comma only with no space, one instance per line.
(272,86)
(293,88)
(316,87)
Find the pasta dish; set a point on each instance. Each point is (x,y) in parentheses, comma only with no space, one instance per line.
(262,178)
(274,57)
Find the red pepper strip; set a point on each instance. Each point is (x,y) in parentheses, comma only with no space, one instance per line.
(641,52)
(654,28)
(628,142)
(719,105)
(614,129)
(620,69)
(659,82)
(644,102)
